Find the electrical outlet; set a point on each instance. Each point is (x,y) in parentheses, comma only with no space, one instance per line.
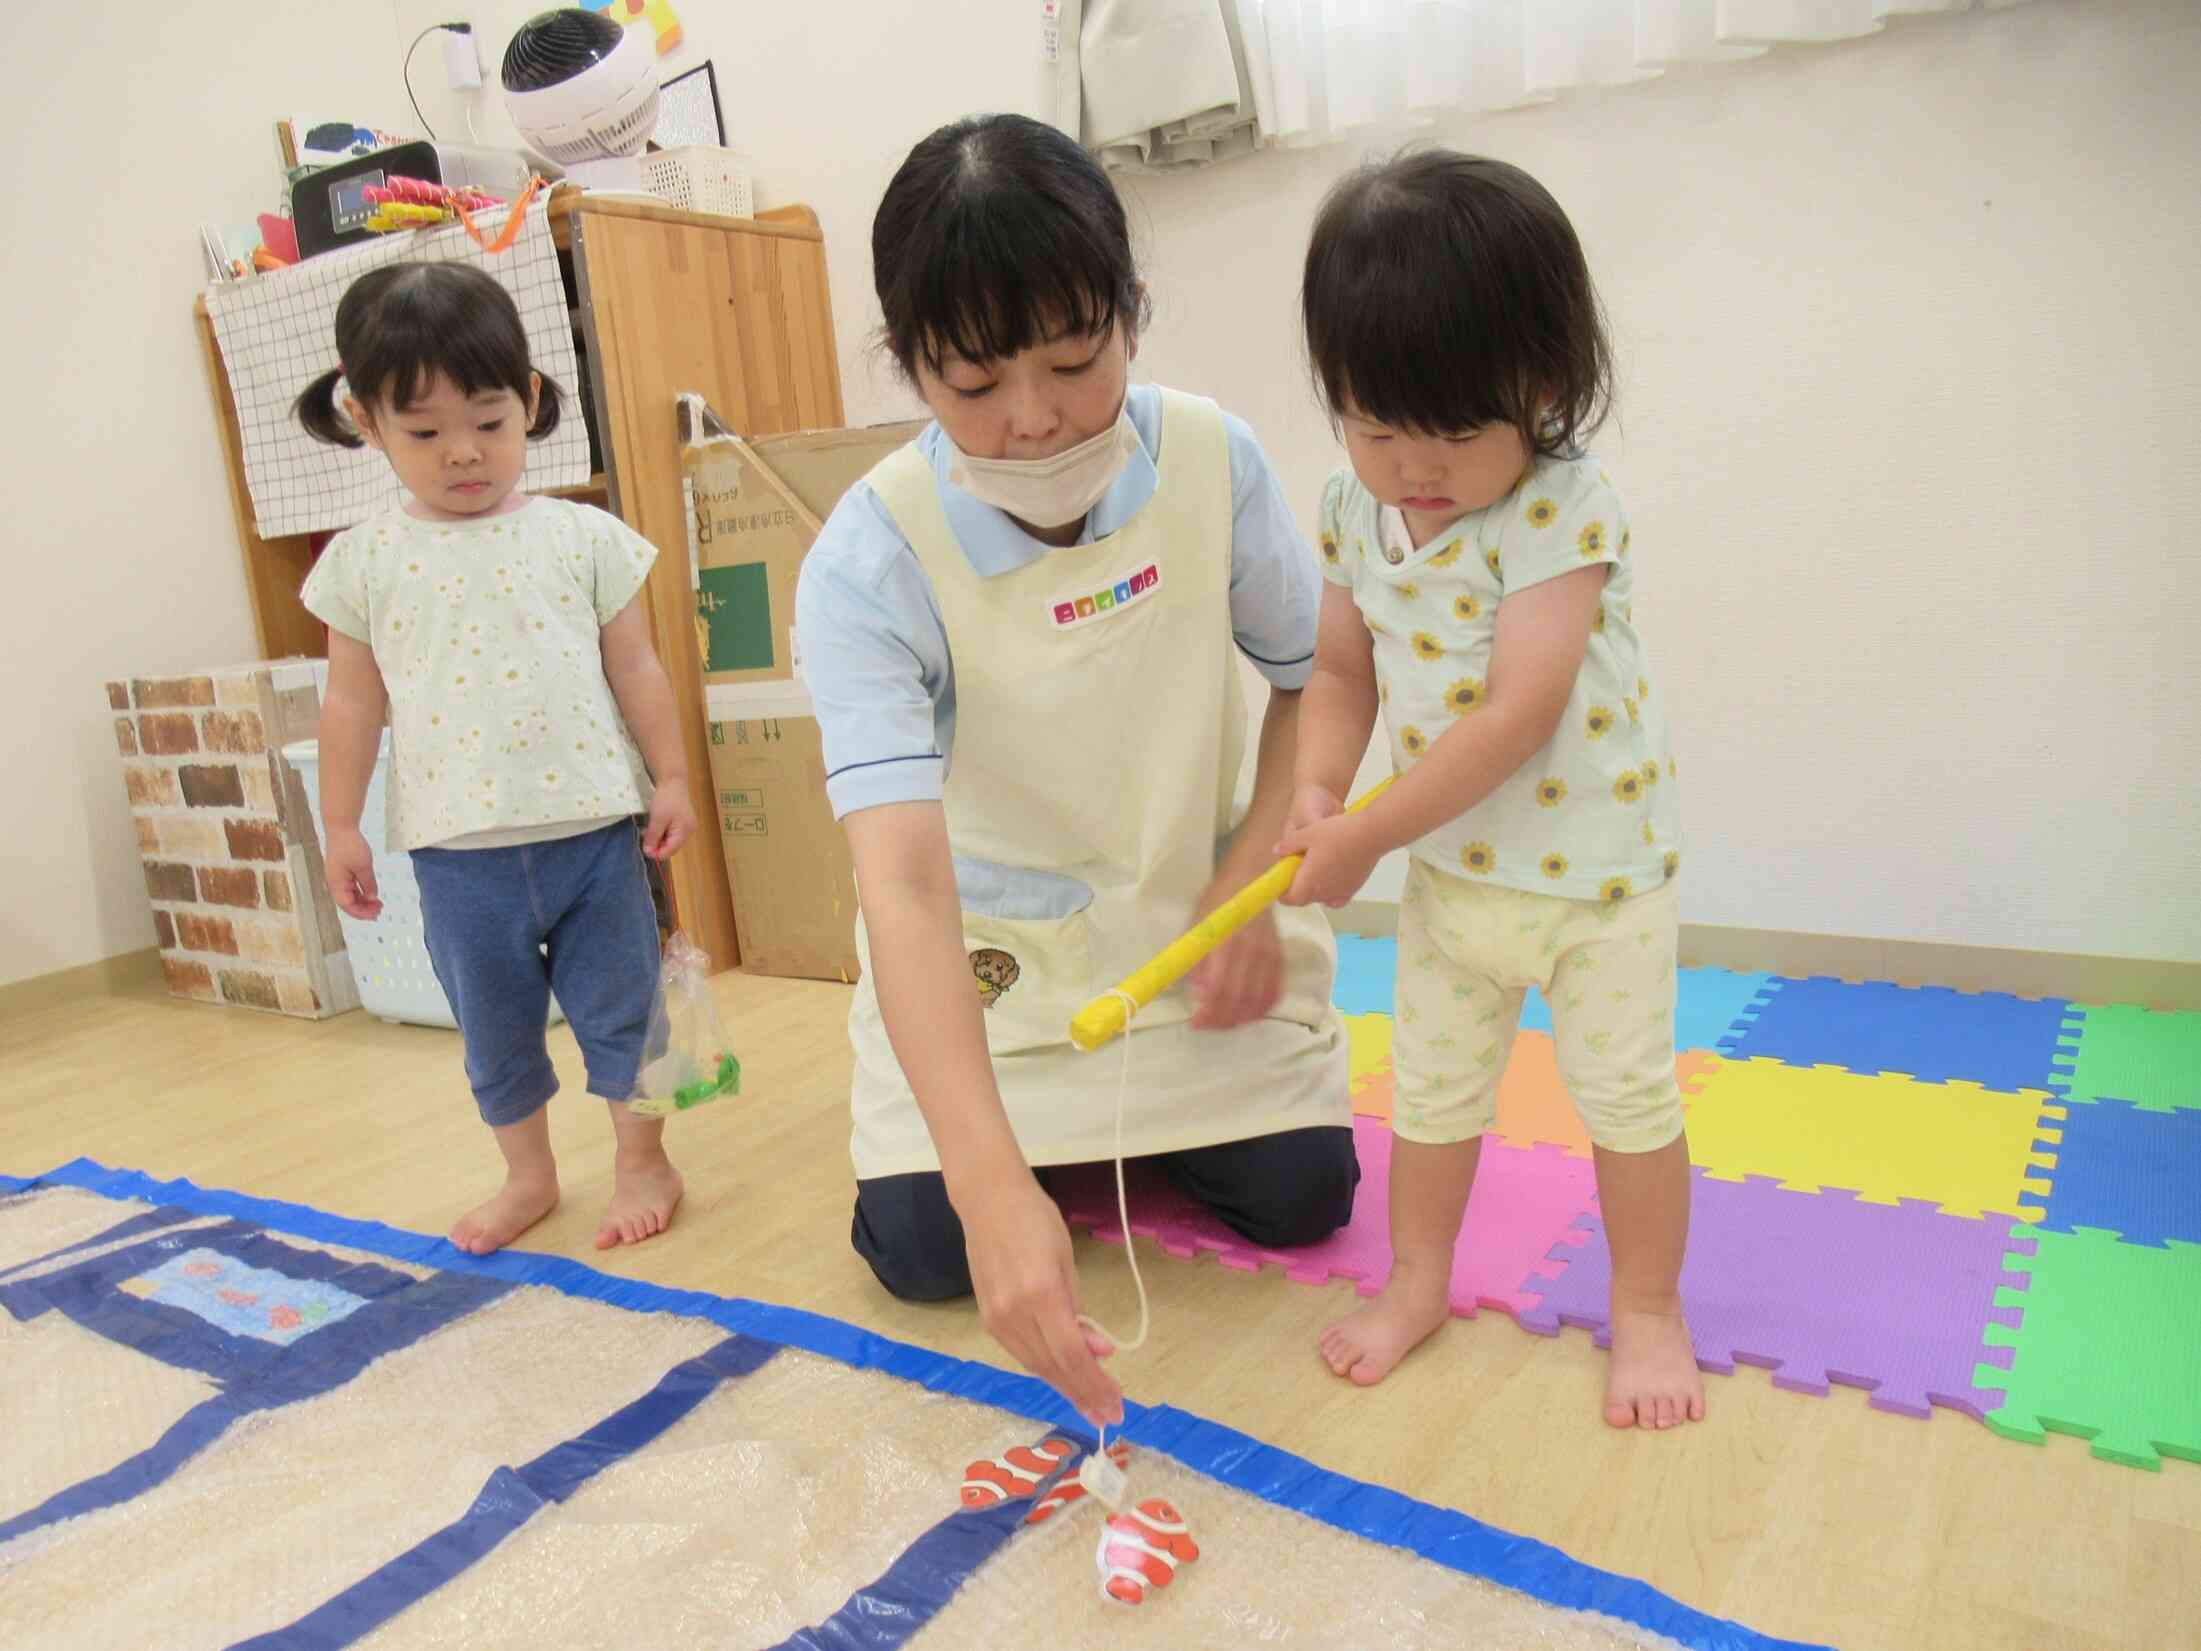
(461,61)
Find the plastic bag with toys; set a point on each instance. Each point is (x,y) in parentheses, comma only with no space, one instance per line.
(687,1059)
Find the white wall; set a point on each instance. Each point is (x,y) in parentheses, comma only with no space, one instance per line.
(1910,373)
(824,100)
(1910,367)
(1912,361)
(139,124)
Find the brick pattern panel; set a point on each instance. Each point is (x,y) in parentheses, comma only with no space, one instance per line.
(153,696)
(205,786)
(229,886)
(237,732)
(151,787)
(189,979)
(167,734)
(232,865)
(255,840)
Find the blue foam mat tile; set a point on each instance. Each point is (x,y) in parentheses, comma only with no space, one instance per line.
(1367,969)
(1708,1003)
(1929,1033)
(2129,1171)
(2063,1063)
(1711,1003)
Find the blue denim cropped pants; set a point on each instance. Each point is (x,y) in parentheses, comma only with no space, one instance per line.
(508,926)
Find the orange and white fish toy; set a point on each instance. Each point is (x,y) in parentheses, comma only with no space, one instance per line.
(1072,1488)
(1017,1472)
(1141,1548)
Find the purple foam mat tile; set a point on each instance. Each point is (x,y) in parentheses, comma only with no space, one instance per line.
(1818,1288)
(1524,1199)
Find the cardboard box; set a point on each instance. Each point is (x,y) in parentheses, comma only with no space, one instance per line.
(794,883)
(755,509)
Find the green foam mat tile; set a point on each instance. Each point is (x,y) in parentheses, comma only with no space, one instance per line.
(2149,1057)
(2108,1348)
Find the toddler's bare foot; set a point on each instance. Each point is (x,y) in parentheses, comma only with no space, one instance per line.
(523,1201)
(644,1193)
(1653,1380)
(1365,1344)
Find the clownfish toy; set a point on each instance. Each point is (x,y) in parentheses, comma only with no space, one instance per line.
(1141,1548)
(1072,1488)
(1017,1472)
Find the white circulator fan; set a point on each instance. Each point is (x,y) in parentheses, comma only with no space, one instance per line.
(582,90)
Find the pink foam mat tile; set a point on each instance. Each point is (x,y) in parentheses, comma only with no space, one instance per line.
(1526,1200)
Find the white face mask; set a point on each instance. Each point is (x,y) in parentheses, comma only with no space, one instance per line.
(1052,492)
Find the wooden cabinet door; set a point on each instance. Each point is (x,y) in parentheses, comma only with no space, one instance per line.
(737,311)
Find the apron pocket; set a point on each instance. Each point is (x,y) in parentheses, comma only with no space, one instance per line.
(1032,975)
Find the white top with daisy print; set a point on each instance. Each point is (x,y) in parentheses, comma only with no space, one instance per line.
(1592,815)
(488,635)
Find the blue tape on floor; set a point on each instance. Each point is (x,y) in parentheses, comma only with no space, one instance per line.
(184,1438)
(790,1326)
(150,1221)
(1925,1032)
(1442,1535)
(89,1293)
(2130,1171)
(255,1376)
(887,1614)
(510,1499)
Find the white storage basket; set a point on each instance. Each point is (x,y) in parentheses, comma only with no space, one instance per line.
(701,178)
(389,955)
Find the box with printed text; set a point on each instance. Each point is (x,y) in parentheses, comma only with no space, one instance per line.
(755,508)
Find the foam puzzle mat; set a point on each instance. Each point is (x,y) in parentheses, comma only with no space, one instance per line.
(257,1425)
(1968,1201)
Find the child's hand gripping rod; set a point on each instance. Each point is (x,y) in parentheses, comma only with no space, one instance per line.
(1104,1017)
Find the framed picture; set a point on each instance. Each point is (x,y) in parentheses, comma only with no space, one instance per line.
(688,111)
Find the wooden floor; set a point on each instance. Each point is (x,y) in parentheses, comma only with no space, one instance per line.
(1812,1518)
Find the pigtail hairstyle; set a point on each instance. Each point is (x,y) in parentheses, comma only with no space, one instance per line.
(400,326)
(318,412)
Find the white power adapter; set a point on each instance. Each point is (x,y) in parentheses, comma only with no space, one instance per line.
(461,59)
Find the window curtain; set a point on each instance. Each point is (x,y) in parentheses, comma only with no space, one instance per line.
(1163,84)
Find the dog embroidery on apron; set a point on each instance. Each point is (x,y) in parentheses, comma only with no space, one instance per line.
(996,970)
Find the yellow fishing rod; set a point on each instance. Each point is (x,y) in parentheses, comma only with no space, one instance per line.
(1107,1015)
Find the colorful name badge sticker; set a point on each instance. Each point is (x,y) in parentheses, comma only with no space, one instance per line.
(1069,611)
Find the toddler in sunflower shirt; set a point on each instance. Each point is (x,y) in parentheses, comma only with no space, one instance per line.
(1481,592)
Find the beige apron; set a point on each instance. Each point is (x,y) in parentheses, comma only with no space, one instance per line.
(1099,732)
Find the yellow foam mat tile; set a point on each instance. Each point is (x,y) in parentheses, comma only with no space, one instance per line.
(1969,1150)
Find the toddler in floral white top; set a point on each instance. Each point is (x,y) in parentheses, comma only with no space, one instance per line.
(504,639)
(1482,577)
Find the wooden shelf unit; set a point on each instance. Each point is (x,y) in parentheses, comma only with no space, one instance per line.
(736,310)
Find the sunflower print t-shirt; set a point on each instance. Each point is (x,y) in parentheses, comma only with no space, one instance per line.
(1592,815)
(489,638)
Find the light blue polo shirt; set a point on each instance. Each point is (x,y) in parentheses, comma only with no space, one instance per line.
(875,653)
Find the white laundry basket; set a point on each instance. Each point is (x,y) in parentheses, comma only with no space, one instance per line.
(701,178)
(389,955)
